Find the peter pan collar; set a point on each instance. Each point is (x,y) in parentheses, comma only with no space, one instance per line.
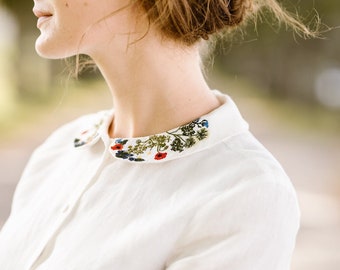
(223,122)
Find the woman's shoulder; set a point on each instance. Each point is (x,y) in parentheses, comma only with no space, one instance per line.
(242,160)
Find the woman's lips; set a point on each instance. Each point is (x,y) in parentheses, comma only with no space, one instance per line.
(43,19)
(42,16)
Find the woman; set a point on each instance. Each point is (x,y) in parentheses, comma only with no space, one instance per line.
(171,178)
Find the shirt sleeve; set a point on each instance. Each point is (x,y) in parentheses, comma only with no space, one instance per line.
(252,226)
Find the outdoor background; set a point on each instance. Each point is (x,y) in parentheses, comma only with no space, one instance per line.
(287,88)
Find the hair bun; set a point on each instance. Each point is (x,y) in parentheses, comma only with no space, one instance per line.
(191,20)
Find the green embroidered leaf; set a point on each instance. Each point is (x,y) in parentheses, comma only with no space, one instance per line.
(190,142)
(188,130)
(202,134)
(177,140)
(177,145)
(123,142)
(137,149)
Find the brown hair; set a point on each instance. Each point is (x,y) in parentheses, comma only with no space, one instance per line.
(188,21)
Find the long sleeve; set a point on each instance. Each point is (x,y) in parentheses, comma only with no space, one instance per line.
(250,227)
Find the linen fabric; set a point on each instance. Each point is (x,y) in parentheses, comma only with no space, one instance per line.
(214,199)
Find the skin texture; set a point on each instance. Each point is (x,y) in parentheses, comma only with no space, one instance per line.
(156,84)
(75,23)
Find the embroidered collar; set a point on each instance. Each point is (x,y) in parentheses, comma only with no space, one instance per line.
(210,129)
(89,136)
(155,147)
(161,146)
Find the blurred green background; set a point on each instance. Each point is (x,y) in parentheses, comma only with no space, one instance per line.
(287,88)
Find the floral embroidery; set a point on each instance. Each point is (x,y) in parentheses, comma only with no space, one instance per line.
(117,146)
(155,148)
(160,156)
(176,140)
(88,136)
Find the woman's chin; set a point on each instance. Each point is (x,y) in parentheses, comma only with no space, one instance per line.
(50,50)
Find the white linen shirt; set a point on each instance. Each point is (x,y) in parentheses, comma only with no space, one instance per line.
(204,196)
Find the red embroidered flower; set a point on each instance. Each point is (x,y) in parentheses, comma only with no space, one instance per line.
(160,156)
(117,146)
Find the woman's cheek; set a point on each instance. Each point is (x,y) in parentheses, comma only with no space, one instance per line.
(58,38)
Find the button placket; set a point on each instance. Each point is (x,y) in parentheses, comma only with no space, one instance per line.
(67,209)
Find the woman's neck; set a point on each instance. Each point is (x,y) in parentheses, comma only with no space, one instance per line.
(155,87)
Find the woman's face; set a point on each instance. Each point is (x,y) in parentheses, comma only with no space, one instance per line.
(69,27)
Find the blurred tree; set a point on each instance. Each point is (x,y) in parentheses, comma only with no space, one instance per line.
(23,10)
(34,73)
(8,50)
(284,65)
(281,64)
